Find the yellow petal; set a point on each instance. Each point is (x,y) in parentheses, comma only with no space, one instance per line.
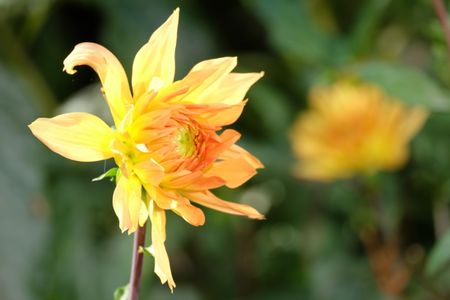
(127,202)
(154,64)
(162,264)
(233,87)
(143,215)
(208,199)
(77,136)
(204,78)
(112,75)
(149,171)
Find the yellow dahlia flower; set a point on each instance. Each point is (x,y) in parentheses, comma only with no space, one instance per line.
(165,137)
(350,129)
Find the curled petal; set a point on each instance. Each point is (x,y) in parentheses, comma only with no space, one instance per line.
(127,202)
(208,199)
(191,214)
(162,264)
(154,64)
(77,136)
(112,75)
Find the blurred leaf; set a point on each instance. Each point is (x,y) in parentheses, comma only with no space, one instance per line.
(439,258)
(408,85)
(293,31)
(122,293)
(364,29)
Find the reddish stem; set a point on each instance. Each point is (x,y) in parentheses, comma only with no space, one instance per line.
(441,13)
(136,263)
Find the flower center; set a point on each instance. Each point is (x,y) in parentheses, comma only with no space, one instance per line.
(185,141)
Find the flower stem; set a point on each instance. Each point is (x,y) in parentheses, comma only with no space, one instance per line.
(441,12)
(136,263)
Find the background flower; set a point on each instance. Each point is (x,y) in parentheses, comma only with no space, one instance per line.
(353,128)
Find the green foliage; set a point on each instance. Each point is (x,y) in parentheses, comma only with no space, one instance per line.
(439,258)
(111,174)
(413,87)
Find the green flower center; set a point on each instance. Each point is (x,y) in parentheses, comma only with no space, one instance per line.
(185,141)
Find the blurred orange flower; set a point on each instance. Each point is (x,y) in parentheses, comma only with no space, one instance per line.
(165,140)
(352,128)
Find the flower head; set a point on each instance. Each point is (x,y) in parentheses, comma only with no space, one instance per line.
(166,139)
(350,129)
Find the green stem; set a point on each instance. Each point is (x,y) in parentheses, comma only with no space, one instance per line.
(136,263)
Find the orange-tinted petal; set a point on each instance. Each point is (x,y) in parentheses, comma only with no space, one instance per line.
(154,63)
(191,214)
(233,171)
(236,151)
(162,264)
(127,202)
(205,183)
(208,199)
(227,138)
(77,136)
(112,75)
(220,114)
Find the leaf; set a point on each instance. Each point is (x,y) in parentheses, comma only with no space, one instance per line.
(439,258)
(110,173)
(122,293)
(409,85)
(363,34)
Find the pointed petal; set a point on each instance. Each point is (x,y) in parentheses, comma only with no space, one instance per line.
(127,201)
(236,151)
(77,136)
(233,171)
(233,87)
(227,139)
(162,264)
(208,199)
(112,75)
(155,61)
(204,78)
